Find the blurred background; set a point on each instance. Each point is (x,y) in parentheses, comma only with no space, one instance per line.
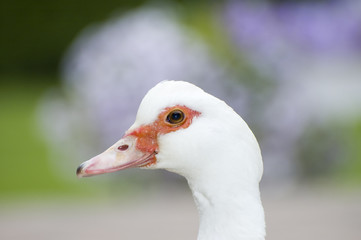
(72,75)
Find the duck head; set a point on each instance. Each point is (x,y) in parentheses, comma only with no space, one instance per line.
(183,129)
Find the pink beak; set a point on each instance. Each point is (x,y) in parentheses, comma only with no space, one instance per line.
(122,155)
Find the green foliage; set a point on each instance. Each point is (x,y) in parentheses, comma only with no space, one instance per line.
(352,169)
(331,150)
(35,34)
(208,21)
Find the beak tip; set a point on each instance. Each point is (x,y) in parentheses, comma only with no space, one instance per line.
(79,171)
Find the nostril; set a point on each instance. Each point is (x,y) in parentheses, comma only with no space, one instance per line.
(123,147)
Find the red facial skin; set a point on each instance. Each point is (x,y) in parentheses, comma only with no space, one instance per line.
(147,135)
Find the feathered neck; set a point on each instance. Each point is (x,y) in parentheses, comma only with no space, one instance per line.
(226,192)
(229,212)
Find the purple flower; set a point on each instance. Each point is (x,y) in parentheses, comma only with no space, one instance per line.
(320,28)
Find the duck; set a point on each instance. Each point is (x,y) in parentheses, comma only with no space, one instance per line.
(181,128)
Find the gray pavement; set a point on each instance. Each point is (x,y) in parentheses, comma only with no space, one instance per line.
(296,214)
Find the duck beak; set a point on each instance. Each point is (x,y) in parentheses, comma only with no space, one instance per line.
(122,155)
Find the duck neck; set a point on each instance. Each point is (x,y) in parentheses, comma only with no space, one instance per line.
(228,212)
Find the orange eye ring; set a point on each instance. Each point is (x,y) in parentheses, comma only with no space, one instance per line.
(175,117)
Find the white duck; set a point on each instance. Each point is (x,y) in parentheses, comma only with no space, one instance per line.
(185,130)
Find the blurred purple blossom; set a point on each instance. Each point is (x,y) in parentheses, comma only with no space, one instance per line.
(312,51)
(110,67)
(326,28)
(322,28)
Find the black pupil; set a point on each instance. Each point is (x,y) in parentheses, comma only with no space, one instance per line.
(176,116)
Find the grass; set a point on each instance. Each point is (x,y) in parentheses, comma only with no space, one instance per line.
(24,157)
(352,170)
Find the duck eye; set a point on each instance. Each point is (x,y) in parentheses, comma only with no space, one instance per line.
(175,117)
